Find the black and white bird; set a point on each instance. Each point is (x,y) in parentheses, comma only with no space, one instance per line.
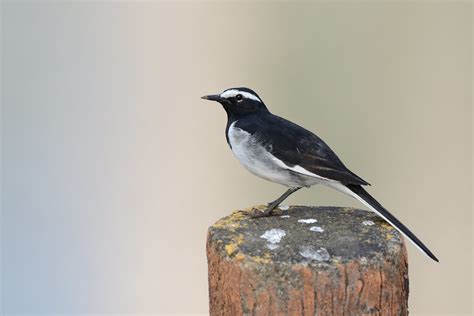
(280,151)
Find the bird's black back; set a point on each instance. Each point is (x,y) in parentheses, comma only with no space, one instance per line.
(295,145)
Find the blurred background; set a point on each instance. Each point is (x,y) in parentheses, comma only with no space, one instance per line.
(113,168)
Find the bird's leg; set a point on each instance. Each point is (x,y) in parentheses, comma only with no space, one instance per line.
(274,204)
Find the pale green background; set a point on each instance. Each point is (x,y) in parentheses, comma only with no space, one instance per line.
(113,168)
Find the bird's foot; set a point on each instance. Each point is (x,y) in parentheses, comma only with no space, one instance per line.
(258,212)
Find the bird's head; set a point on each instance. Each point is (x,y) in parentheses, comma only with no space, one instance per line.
(238,101)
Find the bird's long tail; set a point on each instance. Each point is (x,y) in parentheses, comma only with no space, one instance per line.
(363,196)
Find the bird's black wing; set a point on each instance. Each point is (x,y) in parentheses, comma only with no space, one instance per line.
(296,146)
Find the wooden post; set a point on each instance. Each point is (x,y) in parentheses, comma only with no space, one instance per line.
(307,261)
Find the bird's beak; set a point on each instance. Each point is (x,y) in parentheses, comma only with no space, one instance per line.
(212,97)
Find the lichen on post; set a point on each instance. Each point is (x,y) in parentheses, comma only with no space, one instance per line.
(307,261)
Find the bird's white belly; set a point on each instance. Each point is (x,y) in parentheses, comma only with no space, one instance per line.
(259,161)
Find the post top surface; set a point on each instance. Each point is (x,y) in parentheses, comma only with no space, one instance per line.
(306,235)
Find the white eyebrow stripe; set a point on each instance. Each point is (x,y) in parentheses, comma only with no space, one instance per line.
(233,92)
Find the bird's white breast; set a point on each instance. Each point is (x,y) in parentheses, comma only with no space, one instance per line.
(250,152)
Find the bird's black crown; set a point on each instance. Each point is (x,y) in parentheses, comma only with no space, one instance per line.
(239,102)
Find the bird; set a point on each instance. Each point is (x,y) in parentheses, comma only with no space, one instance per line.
(283,152)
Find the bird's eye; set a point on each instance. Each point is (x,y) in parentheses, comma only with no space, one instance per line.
(239,97)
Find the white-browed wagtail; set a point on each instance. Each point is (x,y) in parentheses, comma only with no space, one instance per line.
(280,151)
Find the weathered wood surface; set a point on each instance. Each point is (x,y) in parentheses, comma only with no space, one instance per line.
(347,262)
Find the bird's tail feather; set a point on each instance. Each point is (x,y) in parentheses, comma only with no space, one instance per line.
(363,196)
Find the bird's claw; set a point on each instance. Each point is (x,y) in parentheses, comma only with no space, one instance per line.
(258,213)
(253,212)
